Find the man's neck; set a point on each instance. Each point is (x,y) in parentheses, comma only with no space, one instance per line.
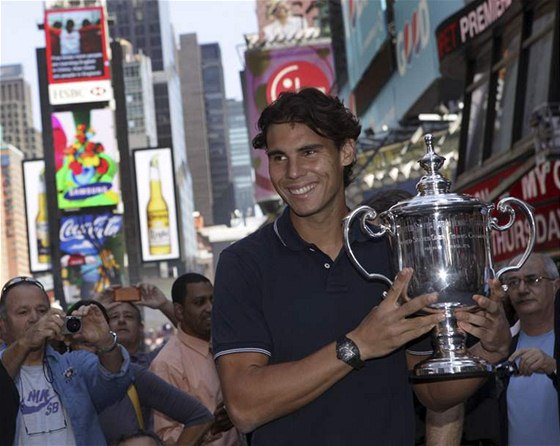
(324,231)
(34,357)
(536,326)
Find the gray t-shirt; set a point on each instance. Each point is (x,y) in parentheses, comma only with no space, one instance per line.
(42,418)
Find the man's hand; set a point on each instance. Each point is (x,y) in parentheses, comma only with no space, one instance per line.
(489,325)
(387,326)
(107,296)
(533,360)
(49,326)
(95,330)
(222,423)
(151,296)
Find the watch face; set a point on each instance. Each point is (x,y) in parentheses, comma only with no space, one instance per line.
(346,351)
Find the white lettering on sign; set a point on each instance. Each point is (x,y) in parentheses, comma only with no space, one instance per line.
(102,226)
(515,239)
(533,184)
(477,20)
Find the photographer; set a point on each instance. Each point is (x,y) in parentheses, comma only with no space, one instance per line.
(60,394)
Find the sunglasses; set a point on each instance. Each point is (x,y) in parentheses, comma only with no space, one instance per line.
(19,281)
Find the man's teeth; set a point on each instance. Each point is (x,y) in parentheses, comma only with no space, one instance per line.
(302,190)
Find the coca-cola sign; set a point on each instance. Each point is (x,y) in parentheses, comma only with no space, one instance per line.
(86,234)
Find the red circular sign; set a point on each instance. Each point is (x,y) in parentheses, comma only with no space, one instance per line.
(294,76)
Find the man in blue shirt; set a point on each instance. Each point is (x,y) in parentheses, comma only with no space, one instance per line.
(308,351)
(60,394)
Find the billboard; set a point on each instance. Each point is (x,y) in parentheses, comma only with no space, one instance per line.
(365,30)
(36,211)
(284,19)
(76,52)
(92,253)
(157,211)
(270,72)
(86,158)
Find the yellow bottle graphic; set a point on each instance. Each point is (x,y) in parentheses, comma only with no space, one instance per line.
(42,224)
(159,237)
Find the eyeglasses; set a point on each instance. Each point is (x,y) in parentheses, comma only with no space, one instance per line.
(531,281)
(18,281)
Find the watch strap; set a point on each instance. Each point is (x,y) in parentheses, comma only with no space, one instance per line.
(110,347)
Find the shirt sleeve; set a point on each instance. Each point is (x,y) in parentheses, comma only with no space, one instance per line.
(238,322)
(155,393)
(167,428)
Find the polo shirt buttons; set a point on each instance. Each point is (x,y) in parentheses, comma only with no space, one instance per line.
(327,265)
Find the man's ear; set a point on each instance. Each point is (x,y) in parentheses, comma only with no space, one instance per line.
(348,152)
(178,311)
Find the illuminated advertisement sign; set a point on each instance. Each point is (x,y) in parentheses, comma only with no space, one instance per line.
(92,252)
(540,188)
(77,56)
(86,158)
(366,30)
(270,72)
(37,216)
(155,188)
(286,19)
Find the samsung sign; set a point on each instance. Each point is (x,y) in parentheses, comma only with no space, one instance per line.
(471,21)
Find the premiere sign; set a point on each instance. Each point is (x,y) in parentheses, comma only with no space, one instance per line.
(468,23)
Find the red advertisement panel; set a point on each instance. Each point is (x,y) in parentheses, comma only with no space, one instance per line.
(76,45)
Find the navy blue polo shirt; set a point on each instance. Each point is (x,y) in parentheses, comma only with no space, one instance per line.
(278,295)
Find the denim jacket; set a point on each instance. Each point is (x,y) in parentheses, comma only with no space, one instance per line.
(85,388)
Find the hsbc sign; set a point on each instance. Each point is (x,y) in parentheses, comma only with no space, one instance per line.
(80,92)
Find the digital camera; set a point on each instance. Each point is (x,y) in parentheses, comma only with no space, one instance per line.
(72,325)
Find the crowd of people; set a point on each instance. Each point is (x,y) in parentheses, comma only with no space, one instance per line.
(291,345)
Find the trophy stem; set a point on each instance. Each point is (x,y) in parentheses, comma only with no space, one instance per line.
(450,358)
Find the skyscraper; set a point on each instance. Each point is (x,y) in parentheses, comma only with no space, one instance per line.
(16,113)
(192,93)
(218,144)
(13,234)
(146,25)
(241,166)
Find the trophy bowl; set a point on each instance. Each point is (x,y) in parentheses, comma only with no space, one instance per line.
(445,238)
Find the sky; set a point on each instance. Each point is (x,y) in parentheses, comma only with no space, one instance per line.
(222,21)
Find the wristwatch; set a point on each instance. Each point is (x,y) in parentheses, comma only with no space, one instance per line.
(110,347)
(348,351)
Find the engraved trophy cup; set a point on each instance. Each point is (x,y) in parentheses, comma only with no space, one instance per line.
(445,238)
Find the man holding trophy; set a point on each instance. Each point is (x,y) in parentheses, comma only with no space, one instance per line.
(310,350)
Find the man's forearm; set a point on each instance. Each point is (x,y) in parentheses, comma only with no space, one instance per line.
(445,428)
(110,355)
(256,393)
(14,356)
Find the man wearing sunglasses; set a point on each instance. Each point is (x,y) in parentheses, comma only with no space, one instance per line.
(530,407)
(60,394)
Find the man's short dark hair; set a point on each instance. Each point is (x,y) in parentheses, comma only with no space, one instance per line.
(179,288)
(325,115)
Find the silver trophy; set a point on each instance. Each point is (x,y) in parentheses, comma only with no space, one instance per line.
(445,238)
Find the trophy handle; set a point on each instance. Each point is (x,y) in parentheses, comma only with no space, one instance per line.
(369,214)
(504,207)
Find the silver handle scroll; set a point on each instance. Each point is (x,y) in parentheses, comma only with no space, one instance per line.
(504,207)
(369,214)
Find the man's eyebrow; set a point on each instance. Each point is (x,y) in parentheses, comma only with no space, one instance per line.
(273,152)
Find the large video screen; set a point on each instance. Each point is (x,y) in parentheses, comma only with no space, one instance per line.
(37,215)
(76,45)
(86,158)
(157,211)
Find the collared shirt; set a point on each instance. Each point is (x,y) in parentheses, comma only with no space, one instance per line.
(186,362)
(278,295)
(85,387)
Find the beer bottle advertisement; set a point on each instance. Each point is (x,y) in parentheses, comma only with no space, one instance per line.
(157,212)
(37,215)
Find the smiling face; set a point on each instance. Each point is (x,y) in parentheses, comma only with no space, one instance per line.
(25,305)
(307,170)
(195,312)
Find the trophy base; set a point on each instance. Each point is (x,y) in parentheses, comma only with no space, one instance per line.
(440,369)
